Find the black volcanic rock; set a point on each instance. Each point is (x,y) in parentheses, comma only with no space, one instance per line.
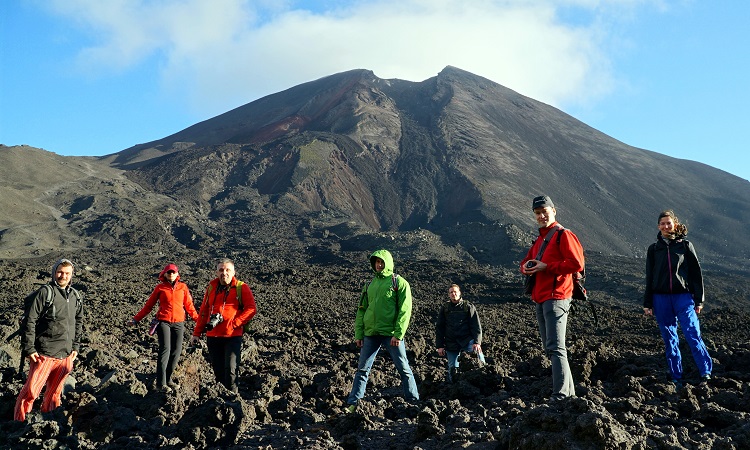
(299,358)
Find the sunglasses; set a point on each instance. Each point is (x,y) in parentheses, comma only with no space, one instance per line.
(170,271)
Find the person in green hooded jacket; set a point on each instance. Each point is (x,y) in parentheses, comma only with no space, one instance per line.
(382,319)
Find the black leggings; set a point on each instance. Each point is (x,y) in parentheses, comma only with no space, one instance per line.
(170,348)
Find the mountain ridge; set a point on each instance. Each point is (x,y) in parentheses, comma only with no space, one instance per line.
(395,155)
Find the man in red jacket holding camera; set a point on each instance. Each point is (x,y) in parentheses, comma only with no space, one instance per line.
(223,316)
(553,290)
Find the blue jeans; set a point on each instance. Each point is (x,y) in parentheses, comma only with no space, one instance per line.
(453,357)
(552,317)
(370,347)
(668,308)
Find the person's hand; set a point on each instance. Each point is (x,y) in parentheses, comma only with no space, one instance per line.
(698,308)
(476,348)
(194,340)
(395,342)
(538,267)
(34,357)
(73,355)
(648,311)
(441,351)
(358,342)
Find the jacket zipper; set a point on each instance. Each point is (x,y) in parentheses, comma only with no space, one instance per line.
(669,262)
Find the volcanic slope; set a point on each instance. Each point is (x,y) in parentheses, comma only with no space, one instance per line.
(453,149)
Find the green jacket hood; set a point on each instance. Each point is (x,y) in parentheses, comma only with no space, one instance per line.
(386,256)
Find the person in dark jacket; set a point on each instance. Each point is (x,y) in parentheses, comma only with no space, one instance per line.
(674,291)
(174,300)
(51,338)
(458,329)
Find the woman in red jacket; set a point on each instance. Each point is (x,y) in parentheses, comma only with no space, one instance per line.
(174,300)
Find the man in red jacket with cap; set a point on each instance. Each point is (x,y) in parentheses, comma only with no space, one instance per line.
(553,289)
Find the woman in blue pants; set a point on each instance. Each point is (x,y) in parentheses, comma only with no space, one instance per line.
(674,292)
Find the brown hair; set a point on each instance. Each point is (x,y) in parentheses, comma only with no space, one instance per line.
(454,285)
(680,229)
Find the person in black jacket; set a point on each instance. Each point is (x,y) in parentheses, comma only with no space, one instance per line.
(674,291)
(51,338)
(458,329)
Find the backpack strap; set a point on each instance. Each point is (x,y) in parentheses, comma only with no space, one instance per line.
(394,286)
(49,301)
(546,241)
(238,290)
(578,275)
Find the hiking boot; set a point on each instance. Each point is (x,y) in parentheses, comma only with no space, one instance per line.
(164,389)
(705,379)
(556,398)
(174,385)
(677,383)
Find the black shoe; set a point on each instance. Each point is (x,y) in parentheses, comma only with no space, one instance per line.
(677,383)
(705,379)
(556,398)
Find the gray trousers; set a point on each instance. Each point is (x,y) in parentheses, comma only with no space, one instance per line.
(552,317)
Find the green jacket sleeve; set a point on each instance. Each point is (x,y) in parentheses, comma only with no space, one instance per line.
(359,326)
(403,310)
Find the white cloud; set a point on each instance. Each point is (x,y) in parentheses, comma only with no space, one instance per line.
(224,53)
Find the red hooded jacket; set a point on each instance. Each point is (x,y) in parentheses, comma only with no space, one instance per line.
(556,282)
(224,301)
(173,302)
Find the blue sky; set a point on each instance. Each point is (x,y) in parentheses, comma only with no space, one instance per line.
(91,77)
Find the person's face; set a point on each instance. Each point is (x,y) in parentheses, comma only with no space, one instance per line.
(379,265)
(63,276)
(170,275)
(545,216)
(455,294)
(666,226)
(225,272)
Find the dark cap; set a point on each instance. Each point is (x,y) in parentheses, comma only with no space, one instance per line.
(541,202)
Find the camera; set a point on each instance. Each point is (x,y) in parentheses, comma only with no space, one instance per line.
(530,264)
(214,320)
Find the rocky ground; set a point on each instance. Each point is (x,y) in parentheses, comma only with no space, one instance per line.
(299,359)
